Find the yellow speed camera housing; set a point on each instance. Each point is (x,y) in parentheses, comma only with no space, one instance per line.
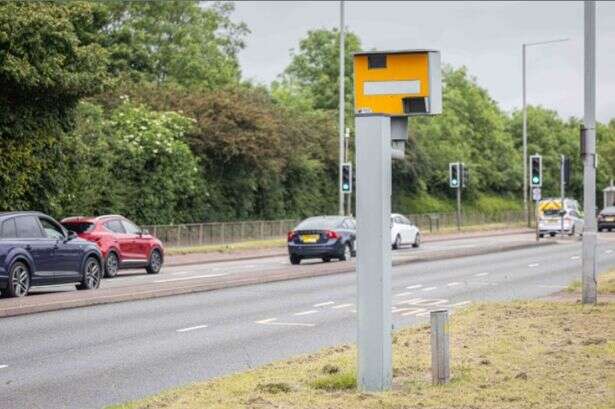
(398,83)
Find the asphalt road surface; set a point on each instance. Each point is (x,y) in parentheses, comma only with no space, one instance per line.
(94,356)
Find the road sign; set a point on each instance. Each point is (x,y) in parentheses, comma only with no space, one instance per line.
(398,83)
(536,194)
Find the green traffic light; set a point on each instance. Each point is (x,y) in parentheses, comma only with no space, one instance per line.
(535,179)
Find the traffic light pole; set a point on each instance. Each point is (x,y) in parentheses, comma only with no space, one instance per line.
(588,280)
(342,108)
(459,207)
(373,207)
(562,182)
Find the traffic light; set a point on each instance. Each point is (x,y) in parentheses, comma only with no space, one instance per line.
(536,171)
(454,175)
(465,175)
(347,177)
(566,170)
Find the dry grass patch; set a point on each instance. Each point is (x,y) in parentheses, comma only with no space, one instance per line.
(517,355)
(606,284)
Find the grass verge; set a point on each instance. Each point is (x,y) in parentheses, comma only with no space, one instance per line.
(227,248)
(606,284)
(504,355)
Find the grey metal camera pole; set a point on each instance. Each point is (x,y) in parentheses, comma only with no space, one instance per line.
(440,357)
(459,206)
(373,206)
(342,107)
(588,280)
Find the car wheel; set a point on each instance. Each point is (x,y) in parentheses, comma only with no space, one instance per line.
(19,281)
(541,235)
(111,265)
(397,242)
(92,274)
(294,260)
(347,253)
(600,230)
(610,230)
(552,234)
(417,240)
(155,262)
(326,259)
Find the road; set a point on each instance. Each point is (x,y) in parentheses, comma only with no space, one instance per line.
(94,356)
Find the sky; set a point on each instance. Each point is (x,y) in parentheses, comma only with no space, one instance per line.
(486,37)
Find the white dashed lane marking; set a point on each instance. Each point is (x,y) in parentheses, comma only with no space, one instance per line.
(403,294)
(575,257)
(412,287)
(337,307)
(533,265)
(305,312)
(192,328)
(273,321)
(454,283)
(480,274)
(429,288)
(324,304)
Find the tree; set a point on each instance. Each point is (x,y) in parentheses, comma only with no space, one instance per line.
(315,67)
(175,41)
(49,59)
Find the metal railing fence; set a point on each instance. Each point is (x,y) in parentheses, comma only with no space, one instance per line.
(196,234)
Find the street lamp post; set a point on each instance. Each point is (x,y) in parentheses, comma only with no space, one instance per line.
(525,189)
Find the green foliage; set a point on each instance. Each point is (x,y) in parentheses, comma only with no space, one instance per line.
(488,204)
(336,382)
(176,41)
(315,67)
(421,202)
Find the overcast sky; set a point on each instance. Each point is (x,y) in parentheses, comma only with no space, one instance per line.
(486,37)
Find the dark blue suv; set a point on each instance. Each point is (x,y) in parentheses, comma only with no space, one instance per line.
(36,250)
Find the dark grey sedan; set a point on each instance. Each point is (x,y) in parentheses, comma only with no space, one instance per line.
(606,219)
(324,237)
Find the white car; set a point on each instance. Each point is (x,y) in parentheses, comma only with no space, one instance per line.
(403,231)
(550,217)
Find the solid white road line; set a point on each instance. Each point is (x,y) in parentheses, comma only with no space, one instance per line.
(403,294)
(273,321)
(337,307)
(305,312)
(324,304)
(190,278)
(412,287)
(533,265)
(429,289)
(480,274)
(454,283)
(192,328)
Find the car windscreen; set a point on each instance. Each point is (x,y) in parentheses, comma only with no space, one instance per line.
(552,212)
(80,227)
(319,224)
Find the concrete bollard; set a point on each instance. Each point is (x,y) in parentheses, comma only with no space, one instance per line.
(440,358)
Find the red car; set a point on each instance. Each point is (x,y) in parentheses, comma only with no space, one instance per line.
(123,244)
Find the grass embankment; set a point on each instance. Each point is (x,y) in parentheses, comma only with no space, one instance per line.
(606,284)
(514,355)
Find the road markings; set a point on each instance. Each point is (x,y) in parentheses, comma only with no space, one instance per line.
(411,301)
(305,312)
(414,311)
(192,328)
(337,307)
(429,289)
(190,278)
(454,283)
(533,265)
(608,251)
(273,321)
(3,366)
(480,274)
(412,287)
(575,257)
(462,303)
(403,294)
(324,304)
(396,310)
(423,314)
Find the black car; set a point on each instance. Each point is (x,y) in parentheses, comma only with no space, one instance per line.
(324,237)
(36,250)
(606,219)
